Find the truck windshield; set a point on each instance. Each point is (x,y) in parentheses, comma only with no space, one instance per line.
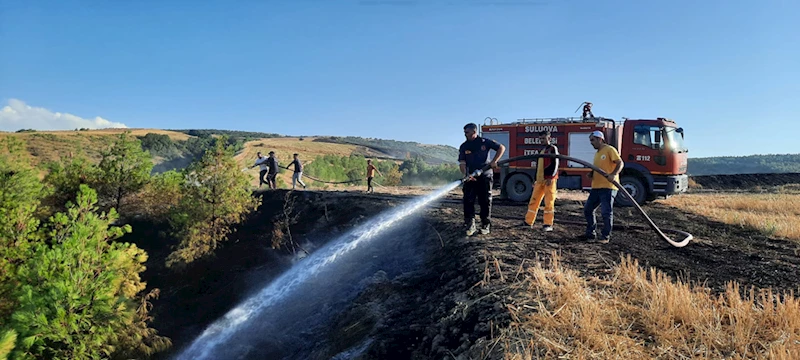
(674,139)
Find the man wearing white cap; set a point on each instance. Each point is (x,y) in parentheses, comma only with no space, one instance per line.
(603,190)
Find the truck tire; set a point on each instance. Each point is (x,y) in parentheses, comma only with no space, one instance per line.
(634,187)
(519,187)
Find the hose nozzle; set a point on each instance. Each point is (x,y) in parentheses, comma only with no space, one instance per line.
(474,174)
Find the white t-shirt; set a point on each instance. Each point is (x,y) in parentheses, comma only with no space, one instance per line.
(262,162)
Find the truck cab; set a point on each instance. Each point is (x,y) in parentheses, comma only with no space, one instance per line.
(655,159)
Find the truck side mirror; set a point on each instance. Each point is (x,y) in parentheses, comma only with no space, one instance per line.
(657,137)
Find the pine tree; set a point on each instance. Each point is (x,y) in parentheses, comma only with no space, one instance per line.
(66,291)
(125,168)
(79,294)
(65,176)
(215,197)
(158,197)
(20,193)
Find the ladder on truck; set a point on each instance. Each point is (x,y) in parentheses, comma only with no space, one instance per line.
(494,121)
(562,120)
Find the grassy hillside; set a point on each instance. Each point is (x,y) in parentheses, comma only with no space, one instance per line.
(235,134)
(432,154)
(172,149)
(45,146)
(308,149)
(753,164)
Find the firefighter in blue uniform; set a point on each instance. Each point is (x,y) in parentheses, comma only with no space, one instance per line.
(473,155)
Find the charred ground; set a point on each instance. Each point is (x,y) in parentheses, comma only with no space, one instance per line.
(743,182)
(454,302)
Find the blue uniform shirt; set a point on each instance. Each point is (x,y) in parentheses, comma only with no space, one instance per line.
(476,153)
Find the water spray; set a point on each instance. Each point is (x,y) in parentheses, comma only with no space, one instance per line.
(687,236)
(215,341)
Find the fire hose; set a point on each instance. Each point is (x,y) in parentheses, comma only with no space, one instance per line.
(687,236)
(328,182)
(322,181)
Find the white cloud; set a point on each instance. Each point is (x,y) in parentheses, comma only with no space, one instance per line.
(19,115)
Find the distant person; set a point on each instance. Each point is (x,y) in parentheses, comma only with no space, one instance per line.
(603,190)
(545,185)
(297,177)
(587,111)
(371,169)
(273,170)
(261,161)
(473,155)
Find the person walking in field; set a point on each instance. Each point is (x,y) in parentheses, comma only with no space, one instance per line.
(545,185)
(603,190)
(261,161)
(297,177)
(272,162)
(371,169)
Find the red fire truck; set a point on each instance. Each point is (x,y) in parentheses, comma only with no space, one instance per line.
(653,151)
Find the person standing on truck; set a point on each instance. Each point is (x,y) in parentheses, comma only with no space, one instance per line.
(261,161)
(545,184)
(297,177)
(273,170)
(603,190)
(587,111)
(474,155)
(371,169)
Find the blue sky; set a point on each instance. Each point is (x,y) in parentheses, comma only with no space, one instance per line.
(727,71)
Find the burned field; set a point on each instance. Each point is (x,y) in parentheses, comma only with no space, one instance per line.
(439,294)
(745,182)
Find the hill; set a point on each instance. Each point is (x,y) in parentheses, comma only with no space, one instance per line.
(45,146)
(174,149)
(379,148)
(752,164)
(307,148)
(432,154)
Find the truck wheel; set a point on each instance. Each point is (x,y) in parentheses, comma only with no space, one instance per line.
(519,188)
(634,187)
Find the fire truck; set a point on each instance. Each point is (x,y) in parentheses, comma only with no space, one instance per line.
(653,151)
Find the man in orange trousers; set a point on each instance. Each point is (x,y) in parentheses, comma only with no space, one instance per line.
(545,185)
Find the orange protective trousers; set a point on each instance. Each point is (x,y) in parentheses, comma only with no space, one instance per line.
(548,192)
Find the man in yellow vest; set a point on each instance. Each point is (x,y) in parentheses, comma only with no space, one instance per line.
(603,190)
(545,185)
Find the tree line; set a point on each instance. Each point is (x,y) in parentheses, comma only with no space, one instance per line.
(194,147)
(435,154)
(752,164)
(414,171)
(68,288)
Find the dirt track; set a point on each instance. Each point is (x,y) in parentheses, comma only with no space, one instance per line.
(445,310)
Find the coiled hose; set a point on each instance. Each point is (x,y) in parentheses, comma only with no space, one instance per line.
(687,236)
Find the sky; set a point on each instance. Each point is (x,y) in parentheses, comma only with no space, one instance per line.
(725,71)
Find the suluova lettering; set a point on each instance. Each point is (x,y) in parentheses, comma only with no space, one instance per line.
(540,128)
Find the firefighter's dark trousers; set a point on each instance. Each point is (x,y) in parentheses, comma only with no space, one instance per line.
(271,180)
(261,179)
(482,189)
